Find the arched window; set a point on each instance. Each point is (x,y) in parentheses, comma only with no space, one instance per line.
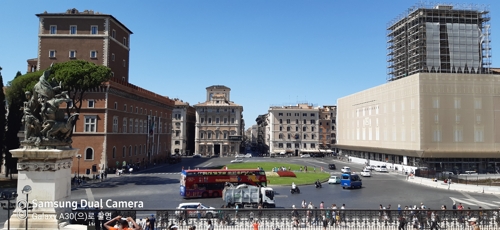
(135,150)
(89,154)
(124,151)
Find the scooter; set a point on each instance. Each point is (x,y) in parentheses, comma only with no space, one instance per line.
(295,190)
(318,185)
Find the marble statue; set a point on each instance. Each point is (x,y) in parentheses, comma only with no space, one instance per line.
(44,122)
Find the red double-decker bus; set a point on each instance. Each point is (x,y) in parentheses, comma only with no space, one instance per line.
(211,182)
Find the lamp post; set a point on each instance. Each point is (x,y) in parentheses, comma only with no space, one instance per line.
(79,156)
(27,191)
(9,205)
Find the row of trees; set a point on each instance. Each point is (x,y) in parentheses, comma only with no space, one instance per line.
(76,76)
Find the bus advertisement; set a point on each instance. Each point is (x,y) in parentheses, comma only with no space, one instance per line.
(211,182)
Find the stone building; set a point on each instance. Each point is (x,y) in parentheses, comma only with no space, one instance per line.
(219,123)
(183,128)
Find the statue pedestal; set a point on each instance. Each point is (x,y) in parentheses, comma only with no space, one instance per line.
(48,172)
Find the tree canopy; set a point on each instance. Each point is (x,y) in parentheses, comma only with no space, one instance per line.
(78,77)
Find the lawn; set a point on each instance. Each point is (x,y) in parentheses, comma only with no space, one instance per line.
(308,177)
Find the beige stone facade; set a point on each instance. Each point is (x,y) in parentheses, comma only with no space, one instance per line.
(218,123)
(183,126)
(444,121)
(294,129)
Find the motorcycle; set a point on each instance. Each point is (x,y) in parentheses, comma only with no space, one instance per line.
(318,185)
(295,190)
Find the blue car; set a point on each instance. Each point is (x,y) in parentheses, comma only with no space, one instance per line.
(349,180)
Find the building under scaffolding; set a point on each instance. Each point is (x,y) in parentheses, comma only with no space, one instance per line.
(439,39)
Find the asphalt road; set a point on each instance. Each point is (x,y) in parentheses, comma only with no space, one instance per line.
(158,188)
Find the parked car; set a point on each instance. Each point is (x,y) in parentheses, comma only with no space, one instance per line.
(346,169)
(334,180)
(305,155)
(383,168)
(237,160)
(332,166)
(192,208)
(366,172)
(248,155)
(197,156)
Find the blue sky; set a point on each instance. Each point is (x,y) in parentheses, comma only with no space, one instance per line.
(272,52)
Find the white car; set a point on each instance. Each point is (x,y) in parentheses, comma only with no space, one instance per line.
(334,180)
(239,156)
(237,160)
(366,172)
(206,211)
(248,155)
(345,169)
(305,155)
(383,168)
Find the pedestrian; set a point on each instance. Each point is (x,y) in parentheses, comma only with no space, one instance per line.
(473,223)
(304,203)
(402,223)
(123,224)
(209,225)
(325,222)
(198,212)
(152,221)
(255,225)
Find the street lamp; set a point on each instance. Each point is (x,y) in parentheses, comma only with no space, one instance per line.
(79,156)
(9,205)
(27,191)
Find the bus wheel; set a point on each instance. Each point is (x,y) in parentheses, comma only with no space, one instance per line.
(209,215)
(215,194)
(204,195)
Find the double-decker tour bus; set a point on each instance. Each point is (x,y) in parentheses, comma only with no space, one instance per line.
(211,182)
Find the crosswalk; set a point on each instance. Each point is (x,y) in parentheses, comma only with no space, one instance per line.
(474,202)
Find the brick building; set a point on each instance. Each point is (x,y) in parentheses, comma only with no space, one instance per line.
(119,123)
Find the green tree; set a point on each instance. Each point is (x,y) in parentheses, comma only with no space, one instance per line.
(78,77)
(15,98)
(3,114)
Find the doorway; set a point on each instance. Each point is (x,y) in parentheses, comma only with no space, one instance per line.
(217,149)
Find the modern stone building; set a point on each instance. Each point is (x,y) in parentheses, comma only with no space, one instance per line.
(441,107)
(183,128)
(119,123)
(219,123)
(294,129)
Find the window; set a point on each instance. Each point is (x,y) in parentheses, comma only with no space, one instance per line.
(477,103)
(312,114)
(225,120)
(458,134)
(53,29)
(114,152)
(90,124)
(280,114)
(115,124)
(140,127)
(124,125)
(124,151)
(72,29)
(225,135)
(90,103)
(281,121)
(288,128)
(209,120)
(93,54)
(280,136)
(313,121)
(125,107)
(312,129)
(305,136)
(304,128)
(112,57)
(217,120)
(124,41)
(288,121)
(280,145)
(130,151)
(305,122)
(305,145)
(93,29)
(177,142)
(478,134)
(144,126)
(136,127)
(202,135)
(209,136)
(297,145)
(313,145)
(436,134)
(131,125)
(116,105)
(304,114)
(72,54)
(313,136)
(458,103)
(435,103)
(124,63)
(232,120)
(52,53)
(281,128)
(113,33)
(89,154)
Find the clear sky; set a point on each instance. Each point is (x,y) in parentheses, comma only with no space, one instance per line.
(269,52)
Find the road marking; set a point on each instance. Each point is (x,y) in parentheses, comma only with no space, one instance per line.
(281,196)
(461,201)
(475,200)
(89,194)
(207,164)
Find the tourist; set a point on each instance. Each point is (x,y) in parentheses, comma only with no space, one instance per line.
(122,223)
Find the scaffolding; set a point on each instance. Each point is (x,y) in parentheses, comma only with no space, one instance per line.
(442,38)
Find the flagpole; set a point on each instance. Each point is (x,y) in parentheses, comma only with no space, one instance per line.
(148,149)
